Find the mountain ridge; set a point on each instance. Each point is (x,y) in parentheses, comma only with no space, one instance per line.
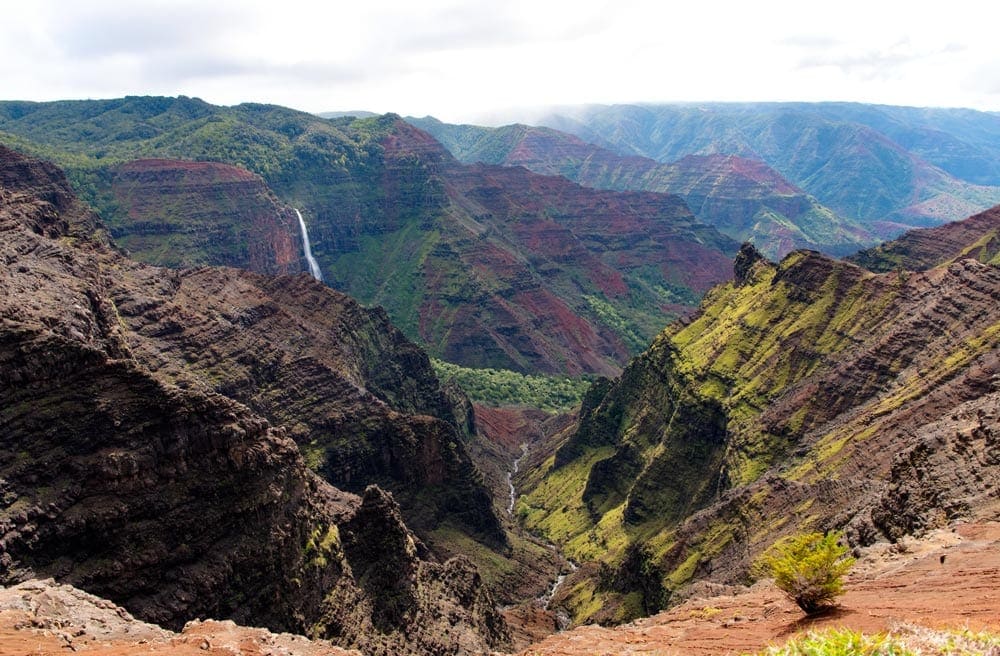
(468,260)
(844,154)
(126,472)
(743,198)
(805,395)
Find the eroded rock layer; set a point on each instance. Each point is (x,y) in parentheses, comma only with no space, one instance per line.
(806,395)
(181,213)
(125,471)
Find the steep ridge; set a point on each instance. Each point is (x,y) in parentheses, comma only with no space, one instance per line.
(919,250)
(744,198)
(846,155)
(125,473)
(483,267)
(810,394)
(180,213)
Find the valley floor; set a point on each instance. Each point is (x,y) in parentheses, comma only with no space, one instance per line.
(950,579)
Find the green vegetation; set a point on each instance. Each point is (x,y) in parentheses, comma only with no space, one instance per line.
(841,642)
(498,387)
(809,568)
(906,640)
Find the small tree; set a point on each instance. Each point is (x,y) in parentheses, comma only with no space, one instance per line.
(809,568)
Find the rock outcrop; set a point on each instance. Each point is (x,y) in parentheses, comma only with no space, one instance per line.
(977,237)
(128,470)
(809,395)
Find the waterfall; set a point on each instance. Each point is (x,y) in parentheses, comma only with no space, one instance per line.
(313,265)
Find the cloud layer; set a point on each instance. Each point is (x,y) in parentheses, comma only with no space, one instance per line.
(459,59)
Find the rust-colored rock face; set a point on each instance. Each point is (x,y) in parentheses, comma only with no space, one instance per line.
(144,456)
(531,271)
(181,213)
(743,198)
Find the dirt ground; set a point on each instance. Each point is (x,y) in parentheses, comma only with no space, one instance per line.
(949,580)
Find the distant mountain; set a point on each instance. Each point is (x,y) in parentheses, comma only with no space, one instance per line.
(889,168)
(484,265)
(805,395)
(745,199)
(342,114)
(977,237)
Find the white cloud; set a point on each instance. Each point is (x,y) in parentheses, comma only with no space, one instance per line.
(459,58)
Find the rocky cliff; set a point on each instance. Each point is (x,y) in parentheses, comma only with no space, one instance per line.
(184,214)
(805,395)
(127,470)
(501,267)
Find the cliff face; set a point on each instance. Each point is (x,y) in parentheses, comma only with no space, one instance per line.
(810,394)
(743,198)
(124,472)
(183,214)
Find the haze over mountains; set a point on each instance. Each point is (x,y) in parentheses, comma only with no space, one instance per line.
(191,425)
(888,167)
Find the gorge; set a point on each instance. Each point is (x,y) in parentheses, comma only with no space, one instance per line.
(197,420)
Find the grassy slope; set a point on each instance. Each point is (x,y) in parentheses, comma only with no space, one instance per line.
(719,402)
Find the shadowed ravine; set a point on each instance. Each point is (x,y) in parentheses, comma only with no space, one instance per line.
(568,567)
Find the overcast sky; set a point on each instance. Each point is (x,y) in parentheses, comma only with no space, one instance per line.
(465,61)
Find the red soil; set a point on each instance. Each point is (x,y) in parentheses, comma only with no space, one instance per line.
(950,580)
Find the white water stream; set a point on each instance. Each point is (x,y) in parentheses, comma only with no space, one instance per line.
(510,479)
(313,264)
(545,599)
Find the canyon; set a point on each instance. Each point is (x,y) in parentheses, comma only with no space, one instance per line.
(743,198)
(483,266)
(213,432)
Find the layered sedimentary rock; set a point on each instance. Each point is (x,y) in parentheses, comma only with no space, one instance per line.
(182,213)
(806,395)
(480,266)
(918,250)
(125,471)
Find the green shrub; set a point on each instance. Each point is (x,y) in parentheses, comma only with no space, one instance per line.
(809,568)
(841,642)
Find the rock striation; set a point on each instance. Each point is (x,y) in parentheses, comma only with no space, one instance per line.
(918,250)
(184,214)
(478,265)
(807,395)
(742,197)
(138,463)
